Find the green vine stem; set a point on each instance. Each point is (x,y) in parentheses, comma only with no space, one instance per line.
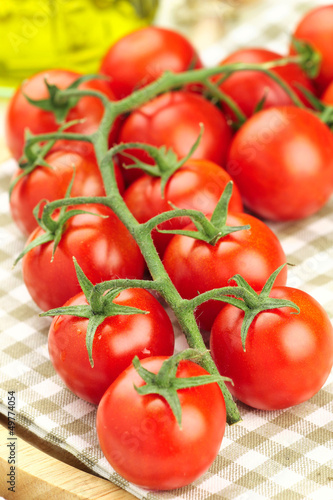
(183,309)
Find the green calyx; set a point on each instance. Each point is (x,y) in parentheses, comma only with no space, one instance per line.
(166,384)
(248,300)
(58,102)
(210,231)
(166,161)
(310,58)
(34,154)
(53,228)
(100,306)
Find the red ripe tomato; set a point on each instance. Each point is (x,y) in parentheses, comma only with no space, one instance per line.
(140,437)
(103,247)
(248,88)
(282,162)
(22,115)
(173,119)
(197,185)
(288,356)
(117,341)
(316,28)
(327,96)
(143,55)
(52,183)
(196,266)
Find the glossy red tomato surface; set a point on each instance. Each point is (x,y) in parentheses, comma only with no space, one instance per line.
(142,56)
(51,183)
(173,119)
(117,340)
(197,185)
(140,437)
(22,115)
(288,356)
(103,248)
(282,163)
(248,88)
(327,96)
(316,28)
(196,266)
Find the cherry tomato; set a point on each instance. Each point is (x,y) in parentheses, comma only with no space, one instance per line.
(117,340)
(52,183)
(22,115)
(282,162)
(197,185)
(173,119)
(316,28)
(248,88)
(195,266)
(288,356)
(143,55)
(327,96)
(140,437)
(103,247)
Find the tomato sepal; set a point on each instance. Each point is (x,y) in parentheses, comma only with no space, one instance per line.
(100,306)
(248,300)
(210,231)
(166,160)
(58,103)
(166,384)
(310,57)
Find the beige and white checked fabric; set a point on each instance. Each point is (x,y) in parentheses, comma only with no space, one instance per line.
(280,455)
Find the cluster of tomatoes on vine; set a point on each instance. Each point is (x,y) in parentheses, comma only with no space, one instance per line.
(265,132)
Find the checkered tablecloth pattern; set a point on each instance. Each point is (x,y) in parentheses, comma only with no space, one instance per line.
(280,455)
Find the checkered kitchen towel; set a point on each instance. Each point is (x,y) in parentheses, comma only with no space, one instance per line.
(269,455)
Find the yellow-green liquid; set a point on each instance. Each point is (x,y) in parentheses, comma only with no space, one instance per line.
(69,34)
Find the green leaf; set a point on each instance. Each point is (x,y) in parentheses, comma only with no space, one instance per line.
(260,105)
(185,232)
(117,309)
(270,282)
(242,283)
(85,284)
(80,311)
(44,238)
(94,322)
(219,216)
(145,374)
(249,316)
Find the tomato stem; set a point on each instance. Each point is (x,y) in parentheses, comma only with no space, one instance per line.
(183,309)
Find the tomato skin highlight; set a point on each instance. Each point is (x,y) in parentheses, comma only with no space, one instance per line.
(316,28)
(248,88)
(22,115)
(288,356)
(141,438)
(282,162)
(173,119)
(103,248)
(142,56)
(197,185)
(117,340)
(196,266)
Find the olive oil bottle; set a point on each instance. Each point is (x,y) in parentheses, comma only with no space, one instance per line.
(68,34)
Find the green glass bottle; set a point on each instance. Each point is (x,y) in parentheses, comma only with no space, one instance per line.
(68,34)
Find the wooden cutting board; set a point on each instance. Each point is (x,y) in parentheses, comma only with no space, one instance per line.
(41,476)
